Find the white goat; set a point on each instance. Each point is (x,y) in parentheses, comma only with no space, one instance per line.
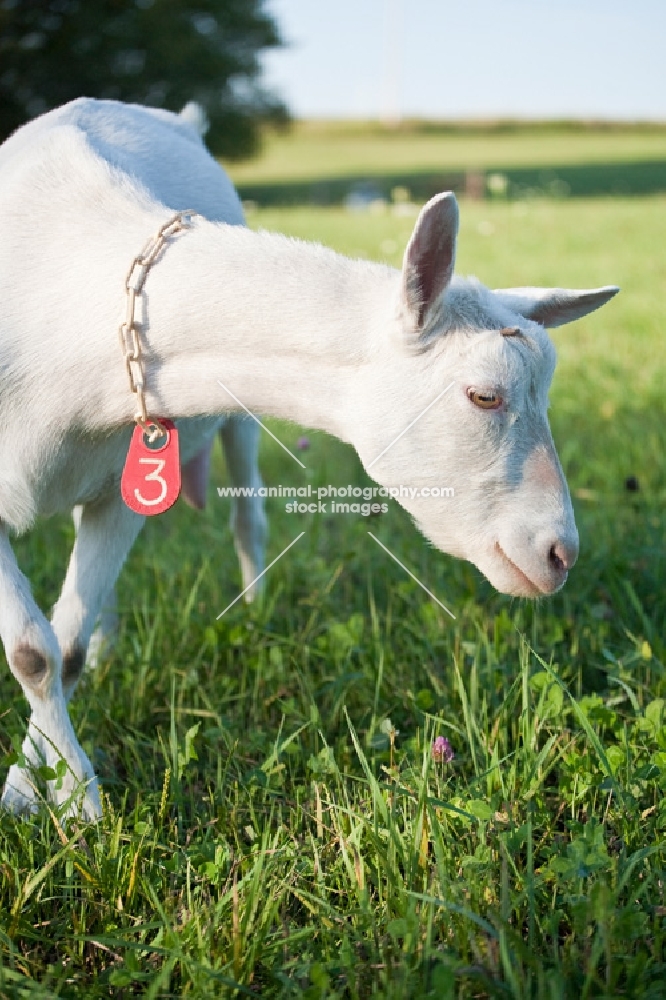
(354,348)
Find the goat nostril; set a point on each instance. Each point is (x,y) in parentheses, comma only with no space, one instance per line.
(557,557)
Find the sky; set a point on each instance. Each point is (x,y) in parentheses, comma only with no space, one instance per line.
(471,58)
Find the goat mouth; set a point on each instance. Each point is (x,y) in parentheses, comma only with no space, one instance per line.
(532,590)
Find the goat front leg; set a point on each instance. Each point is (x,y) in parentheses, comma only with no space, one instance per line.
(240,441)
(35,660)
(106,531)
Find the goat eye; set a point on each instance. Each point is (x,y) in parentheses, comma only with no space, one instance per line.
(484,399)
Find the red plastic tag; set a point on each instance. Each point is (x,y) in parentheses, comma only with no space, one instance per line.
(150,482)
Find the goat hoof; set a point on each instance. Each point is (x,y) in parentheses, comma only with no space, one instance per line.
(85,807)
(19,796)
(76,796)
(103,638)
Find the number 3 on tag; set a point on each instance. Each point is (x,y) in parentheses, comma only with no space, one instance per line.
(150,482)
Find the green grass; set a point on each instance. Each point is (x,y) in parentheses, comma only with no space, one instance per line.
(310,150)
(267,831)
(321,162)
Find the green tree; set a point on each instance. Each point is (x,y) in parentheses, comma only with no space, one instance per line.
(158,52)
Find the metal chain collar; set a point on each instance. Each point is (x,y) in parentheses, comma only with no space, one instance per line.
(130,340)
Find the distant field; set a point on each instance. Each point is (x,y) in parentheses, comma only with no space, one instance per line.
(319,162)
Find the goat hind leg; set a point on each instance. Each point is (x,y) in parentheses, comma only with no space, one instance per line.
(240,441)
(106,628)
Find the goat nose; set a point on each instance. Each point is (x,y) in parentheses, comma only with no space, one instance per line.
(562,555)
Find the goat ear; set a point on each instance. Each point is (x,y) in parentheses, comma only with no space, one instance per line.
(555,306)
(429,258)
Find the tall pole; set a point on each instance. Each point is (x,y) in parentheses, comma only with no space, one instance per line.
(391,112)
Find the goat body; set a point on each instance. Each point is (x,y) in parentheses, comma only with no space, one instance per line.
(354,348)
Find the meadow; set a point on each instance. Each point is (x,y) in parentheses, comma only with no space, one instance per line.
(275,821)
